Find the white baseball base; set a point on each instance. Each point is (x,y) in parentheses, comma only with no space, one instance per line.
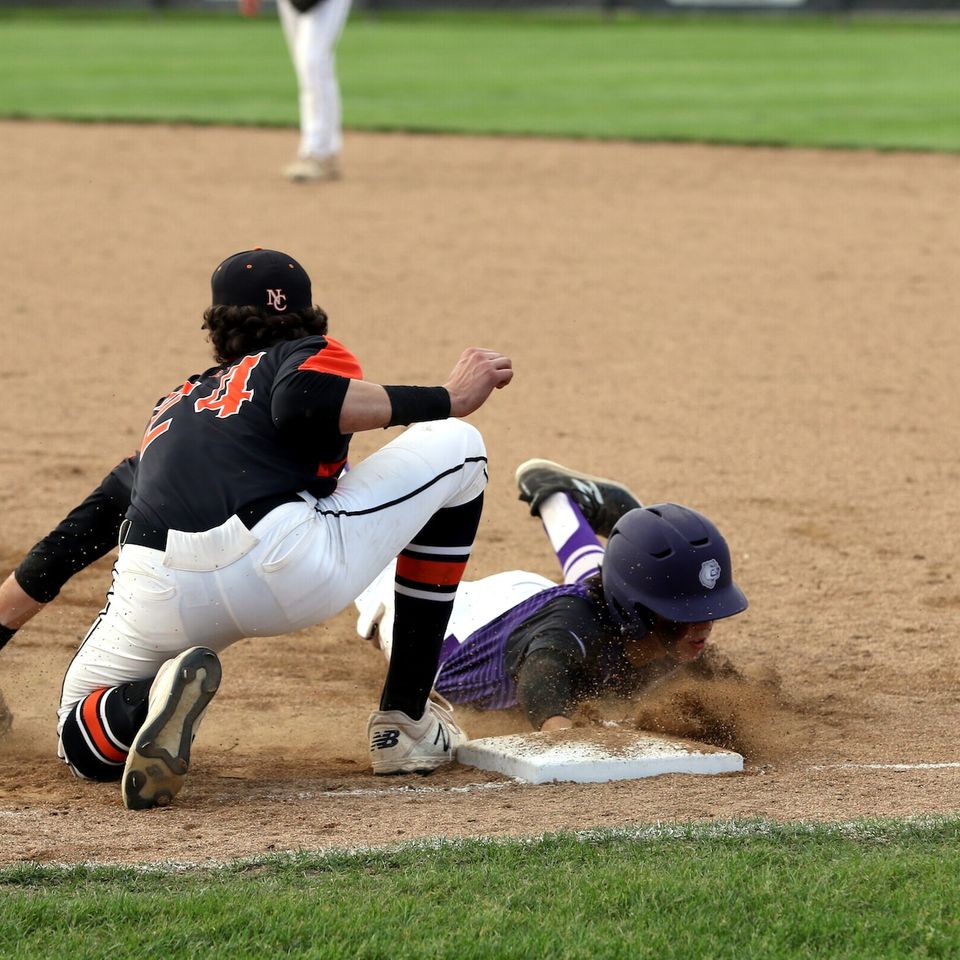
(586,756)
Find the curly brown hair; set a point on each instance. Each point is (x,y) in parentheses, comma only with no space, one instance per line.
(237,331)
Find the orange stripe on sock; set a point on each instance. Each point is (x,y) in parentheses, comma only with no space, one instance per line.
(91,720)
(440,572)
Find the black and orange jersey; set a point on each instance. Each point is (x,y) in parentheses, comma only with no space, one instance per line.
(260,426)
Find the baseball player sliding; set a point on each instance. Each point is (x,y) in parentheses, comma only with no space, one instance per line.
(242,523)
(623,618)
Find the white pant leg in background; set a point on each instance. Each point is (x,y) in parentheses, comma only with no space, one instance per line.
(476,604)
(312,39)
(300,565)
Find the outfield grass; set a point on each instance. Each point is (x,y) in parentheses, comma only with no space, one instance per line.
(801,81)
(747,890)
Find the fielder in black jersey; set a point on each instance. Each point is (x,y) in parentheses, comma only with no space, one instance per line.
(241,522)
(625,616)
(269,421)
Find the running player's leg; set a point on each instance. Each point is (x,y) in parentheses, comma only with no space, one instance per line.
(577,547)
(576,509)
(477,604)
(320,107)
(602,501)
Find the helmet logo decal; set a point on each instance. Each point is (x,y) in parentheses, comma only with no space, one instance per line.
(276,299)
(709,573)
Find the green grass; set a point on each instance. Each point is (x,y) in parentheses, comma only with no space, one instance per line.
(800,81)
(738,890)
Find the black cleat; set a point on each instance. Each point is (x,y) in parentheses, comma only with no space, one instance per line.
(158,761)
(602,501)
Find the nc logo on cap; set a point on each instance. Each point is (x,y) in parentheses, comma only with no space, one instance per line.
(709,573)
(276,299)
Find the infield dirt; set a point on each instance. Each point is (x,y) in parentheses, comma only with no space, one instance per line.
(768,336)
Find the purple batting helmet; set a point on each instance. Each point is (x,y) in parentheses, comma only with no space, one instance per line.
(672,561)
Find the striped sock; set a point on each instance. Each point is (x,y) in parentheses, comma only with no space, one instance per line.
(429,571)
(574,542)
(97,733)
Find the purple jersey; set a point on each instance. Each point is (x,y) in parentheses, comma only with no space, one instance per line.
(478,670)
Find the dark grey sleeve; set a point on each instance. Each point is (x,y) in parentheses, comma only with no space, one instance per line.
(547,684)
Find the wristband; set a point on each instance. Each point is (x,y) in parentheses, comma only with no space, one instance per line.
(417,404)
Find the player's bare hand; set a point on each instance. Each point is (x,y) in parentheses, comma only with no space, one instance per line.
(478,373)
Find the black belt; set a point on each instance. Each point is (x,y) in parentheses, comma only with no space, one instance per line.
(249,515)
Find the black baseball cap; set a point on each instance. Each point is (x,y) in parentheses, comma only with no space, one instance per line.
(261,278)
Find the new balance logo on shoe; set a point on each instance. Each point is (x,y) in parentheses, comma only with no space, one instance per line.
(399,744)
(385,739)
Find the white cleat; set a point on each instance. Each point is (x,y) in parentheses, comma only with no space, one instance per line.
(401,745)
(158,761)
(306,169)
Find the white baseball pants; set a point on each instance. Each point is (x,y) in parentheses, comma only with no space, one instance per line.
(312,39)
(300,565)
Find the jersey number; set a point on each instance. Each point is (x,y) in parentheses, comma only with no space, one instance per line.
(231,393)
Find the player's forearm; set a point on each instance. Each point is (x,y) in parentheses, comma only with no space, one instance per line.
(546,687)
(16,605)
(478,372)
(368,406)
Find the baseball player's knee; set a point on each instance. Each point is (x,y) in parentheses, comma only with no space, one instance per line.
(97,732)
(455,451)
(451,435)
(467,435)
(317,65)
(473,477)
